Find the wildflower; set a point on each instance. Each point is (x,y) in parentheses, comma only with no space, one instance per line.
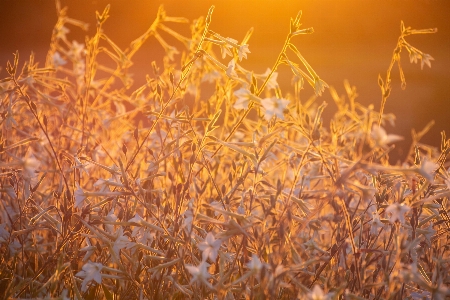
(79,196)
(142,235)
(199,273)
(426,60)
(230,69)
(318,294)
(77,49)
(272,83)
(376,223)
(111,217)
(79,165)
(427,168)
(274,106)
(171,52)
(319,86)
(89,249)
(58,60)
(255,264)
(225,47)
(241,209)
(210,247)
(61,32)
(79,69)
(212,76)
(105,183)
(413,56)
(90,271)
(381,138)
(188,216)
(30,166)
(137,219)
(244,96)
(242,52)
(397,212)
(121,241)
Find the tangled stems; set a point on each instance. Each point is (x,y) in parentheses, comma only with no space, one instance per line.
(33,109)
(414,55)
(169,101)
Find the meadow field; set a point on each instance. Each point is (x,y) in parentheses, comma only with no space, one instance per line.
(210,180)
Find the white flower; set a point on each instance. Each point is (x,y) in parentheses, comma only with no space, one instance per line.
(225,47)
(376,223)
(89,249)
(255,264)
(199,273)
(397,212)
(413,56)
(272,83)
(58,60)
(381,138)
(79,165)
(319,86)
(426,60)
(79,196)
(230,69)
(90,271)
(210,247)
(137,219)
(211,76)
(274,106)
(105,183)
(110,217)
(244,97)
(61,33)
(171,51)
(318,294)
(243,50)
(77,49)
(188,218)
(142,235)
(427,168)
(121,241)
(30,166)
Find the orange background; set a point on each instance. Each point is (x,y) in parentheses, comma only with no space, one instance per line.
(353,40)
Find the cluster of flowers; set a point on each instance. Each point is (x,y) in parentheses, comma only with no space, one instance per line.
(204,200)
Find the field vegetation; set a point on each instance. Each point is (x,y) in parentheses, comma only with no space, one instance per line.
(209,181)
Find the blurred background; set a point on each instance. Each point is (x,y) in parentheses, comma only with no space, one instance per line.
(353,40)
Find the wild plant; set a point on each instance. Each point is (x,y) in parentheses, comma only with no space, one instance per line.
(167,191)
